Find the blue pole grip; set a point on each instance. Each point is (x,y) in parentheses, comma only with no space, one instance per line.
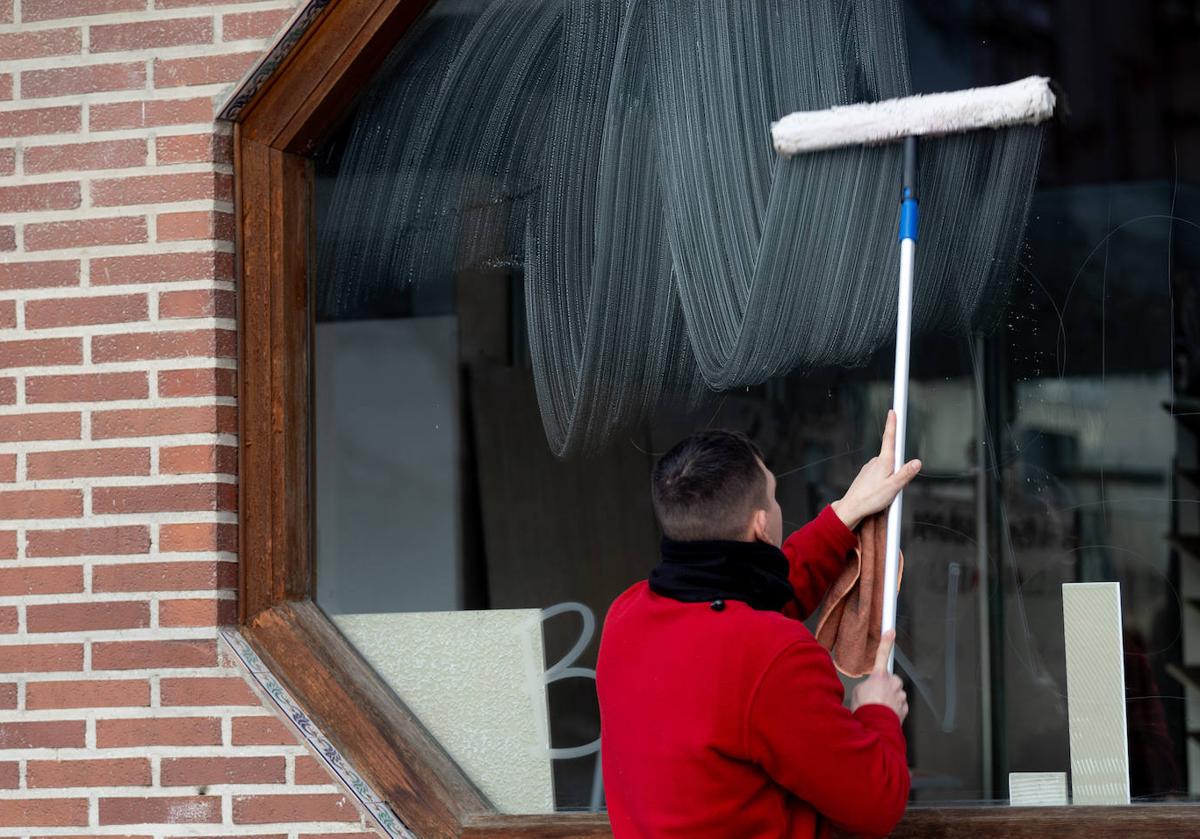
(908,219)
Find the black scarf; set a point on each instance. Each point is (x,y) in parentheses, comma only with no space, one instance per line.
(694,572)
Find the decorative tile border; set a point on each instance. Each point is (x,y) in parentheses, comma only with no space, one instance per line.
(370,801)
(262,70)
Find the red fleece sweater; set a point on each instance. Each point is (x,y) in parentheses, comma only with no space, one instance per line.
(732,723)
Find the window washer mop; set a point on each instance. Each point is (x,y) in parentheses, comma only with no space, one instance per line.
(721,714)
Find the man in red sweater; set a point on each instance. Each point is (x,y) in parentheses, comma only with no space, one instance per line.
(721,716)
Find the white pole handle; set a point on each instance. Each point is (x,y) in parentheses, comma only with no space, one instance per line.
(900,406)
(908,247)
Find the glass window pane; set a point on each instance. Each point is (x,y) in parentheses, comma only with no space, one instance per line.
(473,567)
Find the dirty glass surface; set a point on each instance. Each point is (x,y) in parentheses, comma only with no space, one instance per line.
(1059,447)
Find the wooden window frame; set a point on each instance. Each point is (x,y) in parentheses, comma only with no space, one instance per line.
(274,134)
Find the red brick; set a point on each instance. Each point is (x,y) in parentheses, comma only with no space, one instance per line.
(47,274)
(8,316)
(207,612)
(6,11)
(40,658)
(8,620)
(209,69)
(205,381)
(194,148)
(8,236)
(100,693)
(61,579)
(197,303)
(8,696)
(57,235)
(312,772)
(8,468)
(161,810)
(75,157)
(162,576)
(41,504)
(203,536)
(32,10)
(178,4)
(162,267)
(119,772)
(154,34)
(44,812)
(8,546)
(86,387)
(162,498)
(85,311)
(262,731)
(150,113)
(198,771)
(153,422)
(206,690)
(88,541)
(44,426)
(41,352)
(198,460)
(33,197)
(81,617)
(51,734)
(202,343)
(8,391)
(10,774)
(93,78)
(247,25)
(8,161)
(160,189)
(152,655)
(87,463)
(6,87)
(158,731)
(268,809)
(194,224)
(40,43)
(31,122)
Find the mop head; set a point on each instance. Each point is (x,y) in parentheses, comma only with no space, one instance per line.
(1025,102)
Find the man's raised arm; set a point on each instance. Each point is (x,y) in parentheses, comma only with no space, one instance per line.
(817,551)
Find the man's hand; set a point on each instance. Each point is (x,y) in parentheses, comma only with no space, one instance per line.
(882,687)
(877,484)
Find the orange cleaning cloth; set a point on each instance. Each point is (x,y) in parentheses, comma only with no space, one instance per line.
(849,618)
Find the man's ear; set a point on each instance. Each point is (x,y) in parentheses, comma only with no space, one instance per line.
(758,525)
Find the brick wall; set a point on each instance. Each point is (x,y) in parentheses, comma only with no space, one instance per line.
(119,714)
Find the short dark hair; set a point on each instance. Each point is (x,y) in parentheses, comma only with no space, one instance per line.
(707,486)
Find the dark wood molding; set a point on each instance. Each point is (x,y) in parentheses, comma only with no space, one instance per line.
(1001,822)
(284,121)
(557,826)
(922,822)
(324,73)
(273,198)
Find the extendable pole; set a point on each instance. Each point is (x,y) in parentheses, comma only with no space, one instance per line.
(908,246)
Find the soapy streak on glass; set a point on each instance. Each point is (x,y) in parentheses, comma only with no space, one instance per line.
(620,154)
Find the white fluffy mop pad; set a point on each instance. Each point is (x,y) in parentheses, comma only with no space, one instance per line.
(1027,101)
